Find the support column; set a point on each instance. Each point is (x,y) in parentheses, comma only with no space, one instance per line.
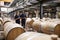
(41,10)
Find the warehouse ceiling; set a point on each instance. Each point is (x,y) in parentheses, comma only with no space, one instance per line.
(52,3)
(15,1)
(12,3)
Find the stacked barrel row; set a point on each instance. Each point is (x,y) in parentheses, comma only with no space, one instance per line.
(50,26)
(36,36)
(11,29)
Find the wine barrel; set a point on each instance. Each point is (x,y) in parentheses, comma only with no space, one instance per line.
(36,25)
(5,20)
(55,21)
(12,30)
(1,21)
(1,24)
(33,36)
(54,37)
(50,27)
(29,22)
(36,19)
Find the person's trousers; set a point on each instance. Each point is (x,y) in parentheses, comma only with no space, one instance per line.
(18,22)
(23,23)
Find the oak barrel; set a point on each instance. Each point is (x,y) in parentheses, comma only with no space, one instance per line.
(36,25)
(50,28)
(12,30)
(33,36)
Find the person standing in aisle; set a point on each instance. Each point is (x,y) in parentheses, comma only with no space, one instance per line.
(23,19)
(17,18)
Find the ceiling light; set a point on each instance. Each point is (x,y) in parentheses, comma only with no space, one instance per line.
(28,3)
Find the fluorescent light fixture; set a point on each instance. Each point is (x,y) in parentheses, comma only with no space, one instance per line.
(10,9)
(4,9)
(20,7)
(33,1)
(28,3)
(45,4)
(24,5)
(56,1)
